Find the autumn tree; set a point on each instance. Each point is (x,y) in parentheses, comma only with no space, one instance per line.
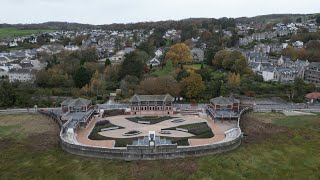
(160,85)
(128,85)
(192,86)
(219,57)
(112,76)
(179,53)
(234,81)
(96,82)
(231,60)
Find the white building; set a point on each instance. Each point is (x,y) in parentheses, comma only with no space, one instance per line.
(154,62)
(298,44)
(22,75)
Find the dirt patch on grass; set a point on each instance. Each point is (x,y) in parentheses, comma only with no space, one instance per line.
(43,141)
(140,169)
(5,144)
(256,129)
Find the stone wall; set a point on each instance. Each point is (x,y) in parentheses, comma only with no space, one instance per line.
(150,153)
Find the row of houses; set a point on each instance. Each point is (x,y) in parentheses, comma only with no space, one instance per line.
(284,69)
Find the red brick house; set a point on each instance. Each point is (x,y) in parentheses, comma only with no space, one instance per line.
(151,104)
(225,104)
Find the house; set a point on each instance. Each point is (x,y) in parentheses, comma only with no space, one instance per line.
(76,105)
(154,62)
(151,104)
(285,75)
(71,48)
(22,75)
(116,59)
(3,73)
(258,67)
(313,97)
(158,53)
(312,73)
(269,74)
(4,60)
(225,104)
(297,44)
(197,55)
(223,108)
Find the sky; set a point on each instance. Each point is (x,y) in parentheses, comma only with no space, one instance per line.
(127,11)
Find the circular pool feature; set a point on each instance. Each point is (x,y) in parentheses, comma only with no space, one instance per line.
(132,133)
(178,120)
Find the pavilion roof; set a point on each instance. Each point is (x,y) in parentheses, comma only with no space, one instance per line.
(139,98)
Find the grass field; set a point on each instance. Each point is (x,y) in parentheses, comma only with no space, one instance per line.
(29,150)
(13,32)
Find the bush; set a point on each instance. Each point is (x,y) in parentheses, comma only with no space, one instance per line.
(113,112)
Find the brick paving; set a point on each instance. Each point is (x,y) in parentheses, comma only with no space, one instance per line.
(82,137)
(218,130)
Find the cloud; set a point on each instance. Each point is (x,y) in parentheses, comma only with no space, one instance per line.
(123,11)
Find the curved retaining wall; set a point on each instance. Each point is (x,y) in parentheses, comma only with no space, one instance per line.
(152,153)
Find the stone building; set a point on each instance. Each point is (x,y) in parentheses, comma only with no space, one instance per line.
(312,73)
(151,104)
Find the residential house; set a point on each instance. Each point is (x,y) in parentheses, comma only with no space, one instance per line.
(154,62)
(158,53)
(71,48)
(297,44)
(3,73)
(22,75)
(312,73)
(197,55)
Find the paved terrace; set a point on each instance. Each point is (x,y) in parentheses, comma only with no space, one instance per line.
(217,128)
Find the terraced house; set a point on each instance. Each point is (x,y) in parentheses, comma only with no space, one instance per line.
(312,73)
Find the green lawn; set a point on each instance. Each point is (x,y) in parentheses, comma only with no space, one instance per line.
(295,155)
(13,32)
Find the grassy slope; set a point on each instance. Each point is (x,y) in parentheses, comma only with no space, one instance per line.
(280,157)
(13,32)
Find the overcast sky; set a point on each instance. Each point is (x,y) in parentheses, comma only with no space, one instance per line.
(126,11)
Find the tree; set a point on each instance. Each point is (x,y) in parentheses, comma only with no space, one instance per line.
(81,77)
(182,74)
(96,82)
(7,94)
(112,77)
(107,62)
(179,53)
(205,73)
(132,65)
(318,18)
(299,20)
(240,66)
(219,57)
(234,81)
(193,86)
(89,54)
(160,85)
(128,85)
